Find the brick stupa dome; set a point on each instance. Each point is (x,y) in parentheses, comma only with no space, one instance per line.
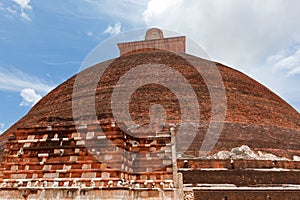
(255,117)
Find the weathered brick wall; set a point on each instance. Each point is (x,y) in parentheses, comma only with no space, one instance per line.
(87,193)
(246,195)
(241,177)
(238,164)
(64,156)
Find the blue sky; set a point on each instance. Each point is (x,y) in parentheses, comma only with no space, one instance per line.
(43,42)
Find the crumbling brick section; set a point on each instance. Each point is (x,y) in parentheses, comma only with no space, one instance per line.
(70,157)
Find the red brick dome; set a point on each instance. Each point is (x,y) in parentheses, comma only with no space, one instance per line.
(255,116)
(118,130)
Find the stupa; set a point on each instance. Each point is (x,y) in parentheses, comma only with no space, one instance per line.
(70,145)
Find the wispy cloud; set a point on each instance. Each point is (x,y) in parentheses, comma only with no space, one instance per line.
(244,34)
(157,7)
(113,30)
(93,35)
(62,63)
(29,96)
(12,11)
(251,30)
(2,126)
(130,11)
(110,29)
(15,80)
(295,71)
(290,64)
(24,6)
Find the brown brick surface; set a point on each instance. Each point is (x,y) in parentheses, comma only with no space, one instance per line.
(42,145)
(246,195)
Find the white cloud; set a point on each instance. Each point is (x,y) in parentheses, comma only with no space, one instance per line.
(94,36)
(289,63)
(25,16)
(1,6)
(130,11)
(113,30)
(63,63)
(2,126)
(242,34)
(24,6)
(158,7)
(30,97)
(11,11)
(238,32)
(280,55)
(295,71)
(15,80)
